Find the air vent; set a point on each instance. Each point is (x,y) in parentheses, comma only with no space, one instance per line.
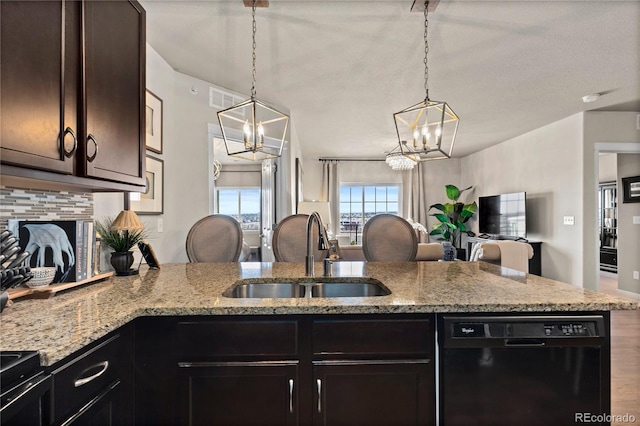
(220,100)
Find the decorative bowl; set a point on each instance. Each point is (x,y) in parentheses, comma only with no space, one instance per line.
(42,277)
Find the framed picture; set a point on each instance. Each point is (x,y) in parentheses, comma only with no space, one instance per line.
(153,128)
(299,175)
(149,255)
(631,189)
(151,201)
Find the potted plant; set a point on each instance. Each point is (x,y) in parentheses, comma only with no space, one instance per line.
(121,241)
(453,216)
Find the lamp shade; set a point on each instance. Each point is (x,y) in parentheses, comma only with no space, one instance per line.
(127,220)
(322,207)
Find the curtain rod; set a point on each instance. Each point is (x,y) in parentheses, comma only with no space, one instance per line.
(351,159)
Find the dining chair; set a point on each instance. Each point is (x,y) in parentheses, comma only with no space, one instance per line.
(214,238)
(390,238)
(289,240)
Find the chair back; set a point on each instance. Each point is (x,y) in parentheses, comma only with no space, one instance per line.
(289,240)
(215,238)
(387,237)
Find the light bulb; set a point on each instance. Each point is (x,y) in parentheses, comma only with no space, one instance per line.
(438,131)
(416,134)
(260,135)
(247,134)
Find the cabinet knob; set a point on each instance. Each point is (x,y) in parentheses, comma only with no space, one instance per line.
(95,143)
(69,131)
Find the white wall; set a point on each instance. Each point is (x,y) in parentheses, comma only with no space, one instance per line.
(608,167)
(616,129)
(547,164)
(628,233)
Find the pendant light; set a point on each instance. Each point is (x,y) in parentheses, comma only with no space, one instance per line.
(429,127)
(251,129)
(398,161)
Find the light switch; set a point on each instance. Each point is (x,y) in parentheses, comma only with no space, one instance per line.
(636,275)
(636,220)
(569,220)
(160,225)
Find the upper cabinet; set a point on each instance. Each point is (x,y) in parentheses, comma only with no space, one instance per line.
(73,92)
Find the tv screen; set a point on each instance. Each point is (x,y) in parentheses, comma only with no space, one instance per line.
(503,215)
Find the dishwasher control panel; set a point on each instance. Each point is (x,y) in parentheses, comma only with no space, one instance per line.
(525,327)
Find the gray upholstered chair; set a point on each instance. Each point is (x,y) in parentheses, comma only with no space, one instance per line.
(289,240)
(387,237)
(215,238)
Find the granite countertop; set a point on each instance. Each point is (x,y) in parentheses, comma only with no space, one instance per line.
(65,323)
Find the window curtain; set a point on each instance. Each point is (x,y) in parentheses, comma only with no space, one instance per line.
(414,198)
(330,191)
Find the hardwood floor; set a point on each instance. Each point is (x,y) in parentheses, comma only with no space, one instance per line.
(625,354)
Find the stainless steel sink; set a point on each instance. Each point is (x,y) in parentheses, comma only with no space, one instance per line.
(348,289)
(307,287)
(265,290)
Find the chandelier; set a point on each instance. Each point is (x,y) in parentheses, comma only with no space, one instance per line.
(251,129)
(430,125)
(398,161)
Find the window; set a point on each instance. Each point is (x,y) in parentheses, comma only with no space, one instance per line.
(241,203)
(360,202)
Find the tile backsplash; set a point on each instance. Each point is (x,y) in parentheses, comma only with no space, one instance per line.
(36,204)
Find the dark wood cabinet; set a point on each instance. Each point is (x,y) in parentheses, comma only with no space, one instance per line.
(73,87)
(95,385)
(239,393)
(381,392)
(284,370)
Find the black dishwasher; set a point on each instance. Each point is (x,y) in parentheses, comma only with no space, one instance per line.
(523,370)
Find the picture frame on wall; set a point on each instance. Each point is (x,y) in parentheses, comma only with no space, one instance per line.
(151,201)
(153,125)
(631,189)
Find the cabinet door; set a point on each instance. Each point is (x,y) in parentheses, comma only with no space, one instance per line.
(239,393)
(114,89)
(39,68)
(100,411)
(373,393)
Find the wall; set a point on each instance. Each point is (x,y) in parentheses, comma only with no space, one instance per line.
(629,234)
(547,164)
(607,167)
(619,131)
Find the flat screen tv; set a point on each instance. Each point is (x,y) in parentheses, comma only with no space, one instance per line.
(503,215)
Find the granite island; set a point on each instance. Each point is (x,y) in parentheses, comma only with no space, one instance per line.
(182,300)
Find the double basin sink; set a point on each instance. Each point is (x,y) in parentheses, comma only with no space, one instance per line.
(309,287)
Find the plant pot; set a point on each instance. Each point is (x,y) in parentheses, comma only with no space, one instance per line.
(121,262)
(449,252)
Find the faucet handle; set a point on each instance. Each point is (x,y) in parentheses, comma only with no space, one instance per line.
(326,270)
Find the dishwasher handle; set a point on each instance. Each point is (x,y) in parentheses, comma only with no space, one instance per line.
(524,343)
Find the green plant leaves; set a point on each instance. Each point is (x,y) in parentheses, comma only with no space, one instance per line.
(452,192)
(453,216)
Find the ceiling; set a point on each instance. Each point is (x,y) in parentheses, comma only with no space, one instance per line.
(344,67)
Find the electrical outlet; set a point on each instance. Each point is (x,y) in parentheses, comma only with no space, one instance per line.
(636,220)
(569,220)
(160,226)
(636,275)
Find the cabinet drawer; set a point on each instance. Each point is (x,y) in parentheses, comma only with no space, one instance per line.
(375,337)
(78,381)
(202,340)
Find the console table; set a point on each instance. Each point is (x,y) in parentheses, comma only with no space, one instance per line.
(535,263)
